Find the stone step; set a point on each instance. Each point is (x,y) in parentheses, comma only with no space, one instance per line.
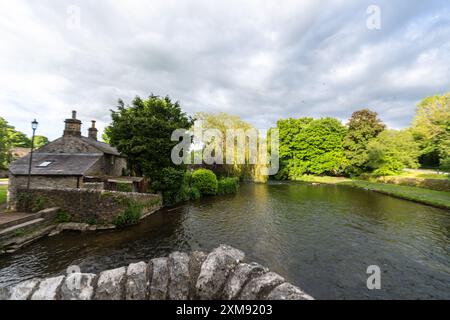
(25,225)
(17,218)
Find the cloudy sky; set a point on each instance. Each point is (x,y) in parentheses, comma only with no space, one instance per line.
(262,60)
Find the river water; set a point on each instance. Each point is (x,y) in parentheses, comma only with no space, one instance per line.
(321,238)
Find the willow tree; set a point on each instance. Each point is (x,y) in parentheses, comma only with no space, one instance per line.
(224,123)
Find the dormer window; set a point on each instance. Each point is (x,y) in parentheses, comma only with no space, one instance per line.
(44,164)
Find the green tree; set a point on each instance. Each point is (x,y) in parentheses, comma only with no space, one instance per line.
(392,151)
(4,144)
(223,121)
(310,146)
(431,127)
(40,141)
(143,132)
(363,126)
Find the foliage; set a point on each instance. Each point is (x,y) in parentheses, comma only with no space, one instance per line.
(228,185)
(124,187)
(11,138)
(392,151)
(62,216)
(194,193)
(143,132)
(130,215)
(170,183)
(28,202)
(445,165)
(363,126)
(40,141)
(431,127)
(309,146)
(3,192)
(205,181)
(223,121)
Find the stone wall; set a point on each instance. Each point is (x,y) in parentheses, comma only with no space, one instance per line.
(89,205)
(221,274)
(17,182)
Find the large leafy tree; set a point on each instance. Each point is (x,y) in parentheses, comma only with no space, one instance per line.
(431,127)
(143,132)
(363,126)
(309,146)
(392,151)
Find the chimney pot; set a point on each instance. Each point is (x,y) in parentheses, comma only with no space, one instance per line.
(73,126)
(92,131)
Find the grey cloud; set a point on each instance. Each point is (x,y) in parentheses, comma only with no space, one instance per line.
(261,60)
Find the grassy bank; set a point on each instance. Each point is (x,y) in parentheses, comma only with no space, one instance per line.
(323,179)
(439,199)
(3,189)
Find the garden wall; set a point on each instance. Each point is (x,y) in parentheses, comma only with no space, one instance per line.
(87,205)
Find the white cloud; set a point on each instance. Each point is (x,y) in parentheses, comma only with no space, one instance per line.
(262,60)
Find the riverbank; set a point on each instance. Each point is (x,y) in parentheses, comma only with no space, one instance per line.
(439,199)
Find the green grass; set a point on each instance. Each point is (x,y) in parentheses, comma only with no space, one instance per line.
(3,190)
(423,174)
(439,199)
(322,179)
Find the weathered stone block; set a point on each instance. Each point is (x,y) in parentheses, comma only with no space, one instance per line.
(215,270)
(78,286)
(287,291)
(160,279)
(110,285)
(195,263)
(243,273)
(179,276)
(48,289)
(136,287)
(23,290)
(260,287)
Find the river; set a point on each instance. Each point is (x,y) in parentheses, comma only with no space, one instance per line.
(321,238)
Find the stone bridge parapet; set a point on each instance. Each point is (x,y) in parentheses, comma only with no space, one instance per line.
(221,274)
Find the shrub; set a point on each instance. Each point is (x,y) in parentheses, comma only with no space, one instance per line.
(124,187)
(228,185)
(131,215)
(205,181)
(170,183)
(62,216)
(194,193)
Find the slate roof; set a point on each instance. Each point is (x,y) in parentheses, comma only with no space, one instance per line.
(103,147)
(61,164)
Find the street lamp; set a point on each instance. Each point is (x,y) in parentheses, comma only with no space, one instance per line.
(34,125)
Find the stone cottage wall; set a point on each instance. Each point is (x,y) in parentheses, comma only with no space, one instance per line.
(221,274)
(17,182)
(86,205)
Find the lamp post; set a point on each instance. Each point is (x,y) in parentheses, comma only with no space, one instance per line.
(34,125)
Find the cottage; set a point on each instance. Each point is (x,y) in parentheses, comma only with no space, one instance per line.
(72,161)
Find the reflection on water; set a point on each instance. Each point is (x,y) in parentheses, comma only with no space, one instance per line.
(321,238)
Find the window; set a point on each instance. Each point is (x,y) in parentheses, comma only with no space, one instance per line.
(45,164)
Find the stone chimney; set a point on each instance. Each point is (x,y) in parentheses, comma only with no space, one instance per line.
(73,126)
(93,131)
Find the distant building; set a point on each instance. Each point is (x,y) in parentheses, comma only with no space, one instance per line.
(72,161)
(19,152)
